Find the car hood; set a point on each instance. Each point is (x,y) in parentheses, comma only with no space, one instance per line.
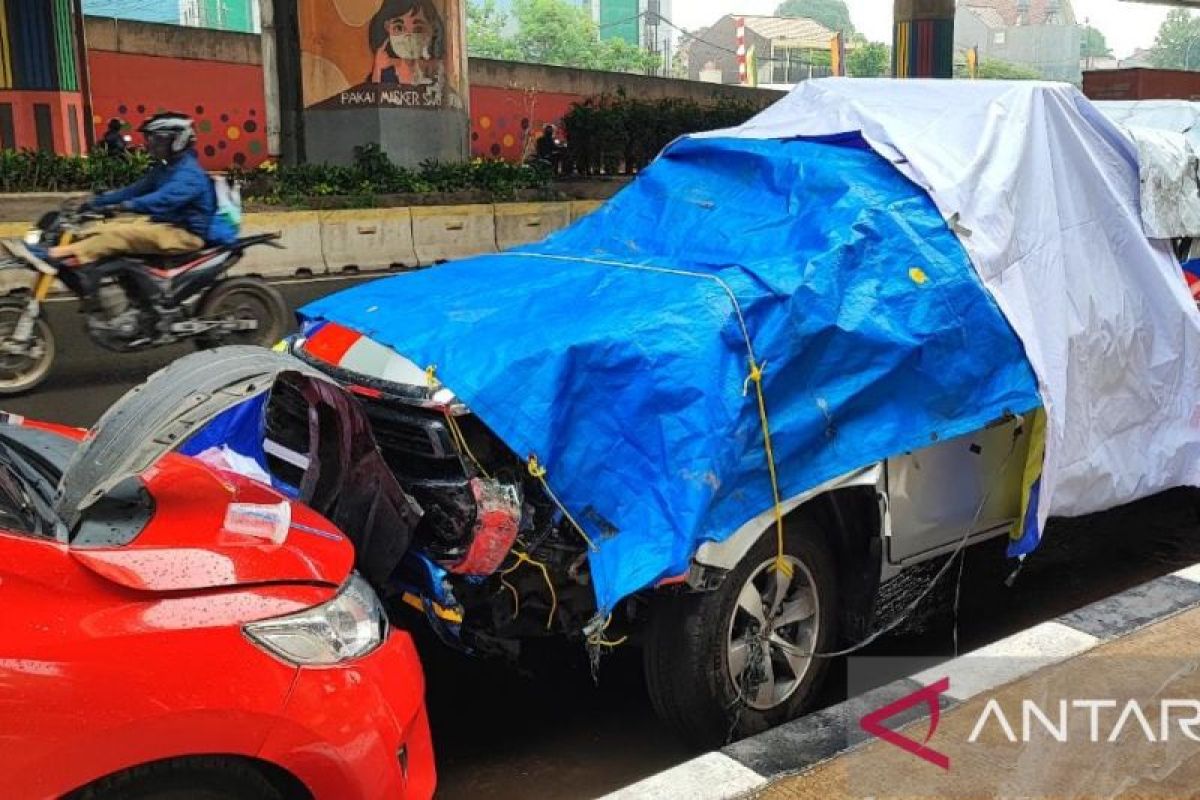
(151,420)
(194,540)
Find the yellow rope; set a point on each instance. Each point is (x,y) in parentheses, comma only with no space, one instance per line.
(755,377)
(431,380)
(516,597)
(597,639)
(524,558)
(539,472)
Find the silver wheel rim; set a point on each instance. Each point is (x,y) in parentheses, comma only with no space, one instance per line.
(16,371)
(772,634)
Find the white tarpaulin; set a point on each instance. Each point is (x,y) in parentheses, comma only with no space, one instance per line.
(1043,192)
(1167,138)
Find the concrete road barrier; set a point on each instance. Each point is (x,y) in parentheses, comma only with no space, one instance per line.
(301,254)
(441,233)
(581,208)
(524,223)
(368,239)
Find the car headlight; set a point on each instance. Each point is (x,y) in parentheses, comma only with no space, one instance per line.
(349,626)
(33,237)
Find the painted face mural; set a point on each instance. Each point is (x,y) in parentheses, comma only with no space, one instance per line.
(363,53)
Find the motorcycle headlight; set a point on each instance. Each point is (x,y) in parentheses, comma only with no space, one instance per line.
(347,627)
(33,237)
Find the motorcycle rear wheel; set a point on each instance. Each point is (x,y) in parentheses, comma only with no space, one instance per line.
(23,373)
(245,299)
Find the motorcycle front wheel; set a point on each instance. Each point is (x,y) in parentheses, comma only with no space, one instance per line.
(23,369)
(245,299)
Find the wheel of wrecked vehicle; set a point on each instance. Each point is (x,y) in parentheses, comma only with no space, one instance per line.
(732,662)
(195,778)
(245,299)
(23,371)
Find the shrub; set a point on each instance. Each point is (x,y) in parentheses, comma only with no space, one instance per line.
(35,171)
(614,134)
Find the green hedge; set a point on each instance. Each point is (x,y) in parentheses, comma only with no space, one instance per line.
(615,134)
(35,171)
(371,174)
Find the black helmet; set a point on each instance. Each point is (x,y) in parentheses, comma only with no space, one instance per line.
(177,128)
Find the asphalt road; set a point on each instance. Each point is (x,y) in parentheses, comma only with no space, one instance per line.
(553,733)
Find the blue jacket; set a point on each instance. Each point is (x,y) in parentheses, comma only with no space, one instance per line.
(178,193)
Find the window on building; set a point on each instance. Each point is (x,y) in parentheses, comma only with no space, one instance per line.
(73,129)
(998,37)
(43,126)
(8,132)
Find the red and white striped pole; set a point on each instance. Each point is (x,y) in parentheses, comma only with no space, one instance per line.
(743,69)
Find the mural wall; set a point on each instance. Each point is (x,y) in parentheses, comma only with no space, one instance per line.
(225,99)
(505,123)
(382,53)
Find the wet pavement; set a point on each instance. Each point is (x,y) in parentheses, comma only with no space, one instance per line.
(551,732)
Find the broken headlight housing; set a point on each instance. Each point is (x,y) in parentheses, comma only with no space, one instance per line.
(349,626)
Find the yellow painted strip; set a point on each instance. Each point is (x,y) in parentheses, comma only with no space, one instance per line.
(10,229)
(6,76)
(474,210)
(526,209)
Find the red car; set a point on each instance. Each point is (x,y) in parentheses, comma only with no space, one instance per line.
(171,629)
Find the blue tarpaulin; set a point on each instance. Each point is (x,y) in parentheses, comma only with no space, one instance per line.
(611,353)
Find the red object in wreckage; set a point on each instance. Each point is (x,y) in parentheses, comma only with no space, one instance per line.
(497,523)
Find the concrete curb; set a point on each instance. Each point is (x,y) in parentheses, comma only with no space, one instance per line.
(750,765)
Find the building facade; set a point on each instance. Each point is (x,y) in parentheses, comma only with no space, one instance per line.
(1040,35)
(166,11)
(786,50)
(241,16)
(41,84)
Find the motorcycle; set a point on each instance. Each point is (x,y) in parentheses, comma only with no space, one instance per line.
(133,303)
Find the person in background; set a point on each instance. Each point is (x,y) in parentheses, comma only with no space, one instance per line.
(172,210)
(548,148)
(114,143)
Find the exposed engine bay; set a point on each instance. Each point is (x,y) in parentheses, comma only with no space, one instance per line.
(492,559)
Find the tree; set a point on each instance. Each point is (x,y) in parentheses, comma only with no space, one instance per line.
(994,69)
(1177,45)
(1093,44)
(869,60)
(486,26)
(833,14)
(550,32)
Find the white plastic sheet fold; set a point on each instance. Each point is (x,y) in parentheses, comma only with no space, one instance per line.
(1043,191)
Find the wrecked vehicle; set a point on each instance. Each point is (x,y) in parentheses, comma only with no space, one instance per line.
(790,361)
(174,629)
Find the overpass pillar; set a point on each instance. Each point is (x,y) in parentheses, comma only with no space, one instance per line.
(359,72)
(923,39)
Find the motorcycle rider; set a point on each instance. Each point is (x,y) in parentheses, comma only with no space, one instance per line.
(173,207)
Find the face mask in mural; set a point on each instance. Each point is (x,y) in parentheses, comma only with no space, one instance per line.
(410,36)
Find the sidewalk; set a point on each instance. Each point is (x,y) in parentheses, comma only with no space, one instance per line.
(1156,662)
(1043,713)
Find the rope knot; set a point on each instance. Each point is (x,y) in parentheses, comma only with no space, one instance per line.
(755,377)
(535,468)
